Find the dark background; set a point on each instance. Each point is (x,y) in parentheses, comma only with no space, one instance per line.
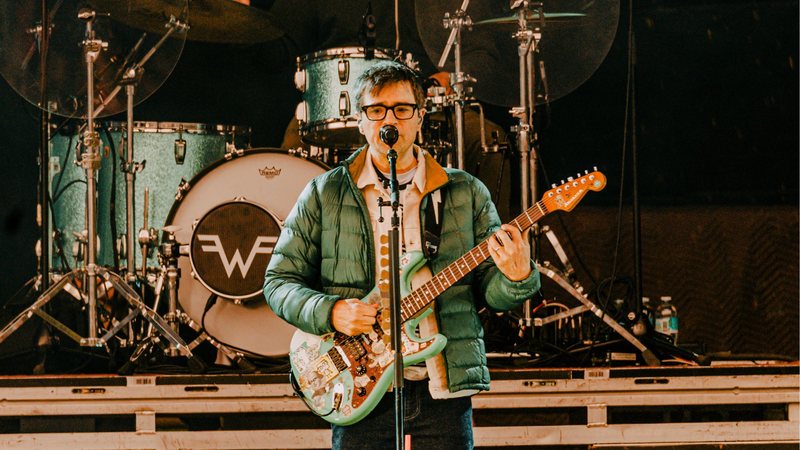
(717,135)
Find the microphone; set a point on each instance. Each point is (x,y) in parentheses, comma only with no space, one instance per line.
(389,135)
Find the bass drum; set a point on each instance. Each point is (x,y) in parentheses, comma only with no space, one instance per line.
(260,186)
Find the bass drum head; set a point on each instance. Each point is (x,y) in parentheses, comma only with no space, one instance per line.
(231,247)
(271,180)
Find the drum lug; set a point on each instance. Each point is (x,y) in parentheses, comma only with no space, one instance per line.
(344,103)
(183,188)
(344,71)
(122,247)
(232,152)
(300,80)
(301,114)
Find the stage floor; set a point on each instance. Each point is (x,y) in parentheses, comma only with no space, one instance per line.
(739,405)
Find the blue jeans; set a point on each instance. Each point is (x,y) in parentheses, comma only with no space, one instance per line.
(432,424)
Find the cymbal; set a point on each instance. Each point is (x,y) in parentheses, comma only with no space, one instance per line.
(550,20)
(218,21)
(65,68)
(572,45)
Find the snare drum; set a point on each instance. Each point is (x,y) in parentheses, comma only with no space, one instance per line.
(170,154)
(326,79)
(231,218)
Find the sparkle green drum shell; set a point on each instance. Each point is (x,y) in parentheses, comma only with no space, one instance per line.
(161,175)
(327,80)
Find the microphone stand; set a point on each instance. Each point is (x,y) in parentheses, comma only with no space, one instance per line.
(394,298)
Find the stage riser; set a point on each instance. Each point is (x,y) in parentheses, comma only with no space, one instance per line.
(634,406)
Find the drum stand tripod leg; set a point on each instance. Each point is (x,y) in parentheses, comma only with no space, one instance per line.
(36,308)
(168,280)
(157,322)
(648,356)
(67,284)
(234,356)
(176,317)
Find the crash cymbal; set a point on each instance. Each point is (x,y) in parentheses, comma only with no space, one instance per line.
(65,72)
(220,21)
(551,20)
(571,51)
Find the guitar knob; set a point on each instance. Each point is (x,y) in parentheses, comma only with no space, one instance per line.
(361,370)
(361,391)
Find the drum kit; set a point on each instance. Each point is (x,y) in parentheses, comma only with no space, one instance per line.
(202,210)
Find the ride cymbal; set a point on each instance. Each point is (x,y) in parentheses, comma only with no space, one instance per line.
(571,47)
(65,62)
(218,21)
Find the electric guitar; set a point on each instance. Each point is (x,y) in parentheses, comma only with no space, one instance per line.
(342,378)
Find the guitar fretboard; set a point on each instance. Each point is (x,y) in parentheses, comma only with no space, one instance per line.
(425,294)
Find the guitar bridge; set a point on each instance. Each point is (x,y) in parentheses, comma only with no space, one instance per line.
(338,359)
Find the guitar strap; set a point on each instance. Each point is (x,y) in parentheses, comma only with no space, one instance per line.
(433,224)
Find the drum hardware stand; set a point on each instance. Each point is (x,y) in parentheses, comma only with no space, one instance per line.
(172,26)
(90,161)
(459,79)
(576,291)
(565,279)
(528,39)
(168,253)
(42,213)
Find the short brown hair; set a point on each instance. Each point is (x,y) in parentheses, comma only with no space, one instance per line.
(385,73)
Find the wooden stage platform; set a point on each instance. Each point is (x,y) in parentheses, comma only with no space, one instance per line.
(742,405)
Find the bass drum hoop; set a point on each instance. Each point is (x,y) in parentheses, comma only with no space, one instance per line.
(239,325)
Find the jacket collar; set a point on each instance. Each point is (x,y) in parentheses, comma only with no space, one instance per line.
(436,175)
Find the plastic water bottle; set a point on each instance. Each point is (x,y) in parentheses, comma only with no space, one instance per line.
(666,318)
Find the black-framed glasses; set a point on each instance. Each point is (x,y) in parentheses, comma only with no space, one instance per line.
(401,111)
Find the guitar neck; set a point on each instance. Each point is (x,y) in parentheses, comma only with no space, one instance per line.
(425,294)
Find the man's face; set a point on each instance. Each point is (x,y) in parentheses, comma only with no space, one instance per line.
(401,96)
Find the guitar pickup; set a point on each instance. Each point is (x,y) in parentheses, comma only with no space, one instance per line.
(338,358)
(354,347)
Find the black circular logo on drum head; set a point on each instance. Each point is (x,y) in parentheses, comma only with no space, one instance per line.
(231,247)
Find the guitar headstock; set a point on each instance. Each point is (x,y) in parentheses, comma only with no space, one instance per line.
(569,194)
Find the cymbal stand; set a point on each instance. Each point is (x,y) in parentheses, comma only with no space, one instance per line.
(576,291)
(89,159)
(174,25)
(459,79)
(130,79)
(566,280)
(168,254)
(528,36)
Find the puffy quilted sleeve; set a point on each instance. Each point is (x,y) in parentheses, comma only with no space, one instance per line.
(291,282)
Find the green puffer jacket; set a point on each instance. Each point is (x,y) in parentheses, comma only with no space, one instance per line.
(325,253)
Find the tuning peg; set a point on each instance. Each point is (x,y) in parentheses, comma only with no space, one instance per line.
(570,179)
(586,172)
(595,168)
(553,185)
(562,181)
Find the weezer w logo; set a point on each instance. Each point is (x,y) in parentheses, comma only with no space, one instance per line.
(263,245)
